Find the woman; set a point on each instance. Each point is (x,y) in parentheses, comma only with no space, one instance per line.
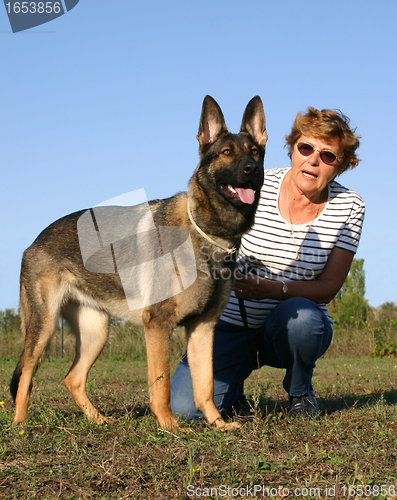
(293,261)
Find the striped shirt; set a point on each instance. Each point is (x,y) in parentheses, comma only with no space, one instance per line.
(269,248)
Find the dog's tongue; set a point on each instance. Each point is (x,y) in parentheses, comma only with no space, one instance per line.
(246,195)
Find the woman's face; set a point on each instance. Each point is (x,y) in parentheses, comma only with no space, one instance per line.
(309,173)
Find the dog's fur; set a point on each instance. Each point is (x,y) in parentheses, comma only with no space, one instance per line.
(54,280)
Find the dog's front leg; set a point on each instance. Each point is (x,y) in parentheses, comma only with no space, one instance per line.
(158,354)
(200,354)
(158,351)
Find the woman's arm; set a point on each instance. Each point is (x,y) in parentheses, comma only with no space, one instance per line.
(321,290)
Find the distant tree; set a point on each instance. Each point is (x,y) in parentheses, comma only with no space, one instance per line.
(9,321)
(386,319)
(350,307)
(385,330)
(388,310)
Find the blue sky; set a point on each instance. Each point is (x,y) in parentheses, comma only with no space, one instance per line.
(107,98)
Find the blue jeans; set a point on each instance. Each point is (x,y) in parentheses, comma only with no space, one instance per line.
(295,334)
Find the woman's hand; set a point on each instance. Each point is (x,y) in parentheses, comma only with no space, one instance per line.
(253,287)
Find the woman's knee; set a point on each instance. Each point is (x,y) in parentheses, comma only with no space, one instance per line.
(298,325)
(299,315)
(182,403)
(183,407)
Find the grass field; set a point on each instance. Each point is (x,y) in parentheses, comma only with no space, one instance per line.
(349,451)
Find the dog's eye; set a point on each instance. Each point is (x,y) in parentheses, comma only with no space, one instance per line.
(226,152)
(254,150)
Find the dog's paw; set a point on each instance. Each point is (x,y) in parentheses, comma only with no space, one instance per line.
(223,426)
(168,423)
(230,427)
(181,430)
(101,420)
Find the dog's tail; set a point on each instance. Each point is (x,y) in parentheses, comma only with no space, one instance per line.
(24,317)
(16,376)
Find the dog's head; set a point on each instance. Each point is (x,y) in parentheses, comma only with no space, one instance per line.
(231,165)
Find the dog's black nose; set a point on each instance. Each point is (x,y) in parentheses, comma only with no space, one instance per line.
(250,169)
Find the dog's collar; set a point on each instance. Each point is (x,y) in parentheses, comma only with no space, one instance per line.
(231,250)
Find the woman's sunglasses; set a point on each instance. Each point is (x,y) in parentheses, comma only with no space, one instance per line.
(327,157)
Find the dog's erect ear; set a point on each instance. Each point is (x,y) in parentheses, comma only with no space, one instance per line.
(212,123)
(254,121)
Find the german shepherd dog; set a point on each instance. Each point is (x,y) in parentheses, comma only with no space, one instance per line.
(56,279)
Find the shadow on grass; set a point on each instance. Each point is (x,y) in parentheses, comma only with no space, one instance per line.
(133,411)
(328,406)
(346,401)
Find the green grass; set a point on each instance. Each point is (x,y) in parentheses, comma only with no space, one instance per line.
(62,455)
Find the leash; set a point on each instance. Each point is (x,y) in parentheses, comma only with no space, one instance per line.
(254,360)
(231,250)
